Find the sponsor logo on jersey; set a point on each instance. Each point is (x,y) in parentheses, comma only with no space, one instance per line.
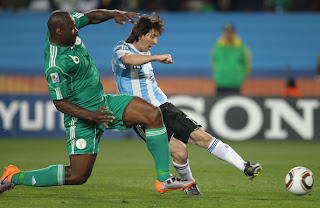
(55,77)
(81,144)
(75,59)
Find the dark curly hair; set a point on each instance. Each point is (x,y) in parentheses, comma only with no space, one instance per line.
(144,25)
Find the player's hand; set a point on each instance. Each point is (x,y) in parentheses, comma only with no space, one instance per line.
(122,17)
(165,59)
(101,116)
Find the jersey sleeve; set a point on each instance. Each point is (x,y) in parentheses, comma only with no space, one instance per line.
(80,18)
(120,51)
(57,83)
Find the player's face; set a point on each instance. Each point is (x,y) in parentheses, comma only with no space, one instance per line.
(148,40)
(70,32)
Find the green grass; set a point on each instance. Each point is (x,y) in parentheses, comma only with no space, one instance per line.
(124,176)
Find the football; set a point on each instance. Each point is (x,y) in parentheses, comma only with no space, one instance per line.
(299,180)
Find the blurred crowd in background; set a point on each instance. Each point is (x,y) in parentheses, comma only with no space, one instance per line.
(164,5)
(282,46)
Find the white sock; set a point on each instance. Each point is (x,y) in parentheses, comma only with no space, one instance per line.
(226,153)
(184,171)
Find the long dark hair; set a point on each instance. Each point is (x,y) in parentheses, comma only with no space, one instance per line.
(144,25)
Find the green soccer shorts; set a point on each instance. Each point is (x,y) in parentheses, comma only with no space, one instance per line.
(84,136)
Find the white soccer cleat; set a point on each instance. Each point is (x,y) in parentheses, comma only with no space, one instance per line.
(252,170)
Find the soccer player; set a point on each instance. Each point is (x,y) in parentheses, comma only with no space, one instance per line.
(74,84)
(131,64)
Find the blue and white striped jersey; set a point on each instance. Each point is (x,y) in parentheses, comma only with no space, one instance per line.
(136,80)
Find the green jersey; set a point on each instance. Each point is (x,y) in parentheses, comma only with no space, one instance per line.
(232,63)
(71,72)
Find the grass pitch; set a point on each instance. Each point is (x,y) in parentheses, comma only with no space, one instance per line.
(124,176)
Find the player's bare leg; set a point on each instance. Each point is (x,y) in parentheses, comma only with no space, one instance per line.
(201,138)
(179,153)
(139,111)
(223,152)
(80,168)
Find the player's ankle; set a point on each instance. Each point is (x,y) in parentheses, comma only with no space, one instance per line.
(164,176)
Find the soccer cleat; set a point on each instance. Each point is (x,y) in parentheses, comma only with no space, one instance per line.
(5,185)
(193,190)
(252,170)
(9,172)
(172,183)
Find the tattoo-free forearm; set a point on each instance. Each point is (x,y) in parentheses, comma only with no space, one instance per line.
(138,59)
(73,110)
(97,16)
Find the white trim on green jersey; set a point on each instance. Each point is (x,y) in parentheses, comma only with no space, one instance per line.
(58,93)
(53,55)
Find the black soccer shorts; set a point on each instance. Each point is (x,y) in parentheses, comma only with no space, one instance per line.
(177,123)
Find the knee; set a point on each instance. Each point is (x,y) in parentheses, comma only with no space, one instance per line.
(67,171)
(180,155)
(77,180)
(154,116)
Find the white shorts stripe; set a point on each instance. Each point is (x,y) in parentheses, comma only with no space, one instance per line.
(94,140)
(73,133)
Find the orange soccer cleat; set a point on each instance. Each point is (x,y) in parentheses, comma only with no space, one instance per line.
(172,183)
(9,172)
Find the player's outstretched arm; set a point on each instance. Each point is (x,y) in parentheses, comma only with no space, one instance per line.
(97,16)
(139,59)
(71,109)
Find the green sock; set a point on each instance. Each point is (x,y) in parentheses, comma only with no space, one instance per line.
(50,176)
(157,143)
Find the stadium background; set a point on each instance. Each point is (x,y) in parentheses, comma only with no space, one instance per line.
(283,39)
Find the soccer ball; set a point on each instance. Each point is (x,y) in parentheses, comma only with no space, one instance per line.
(299,180)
